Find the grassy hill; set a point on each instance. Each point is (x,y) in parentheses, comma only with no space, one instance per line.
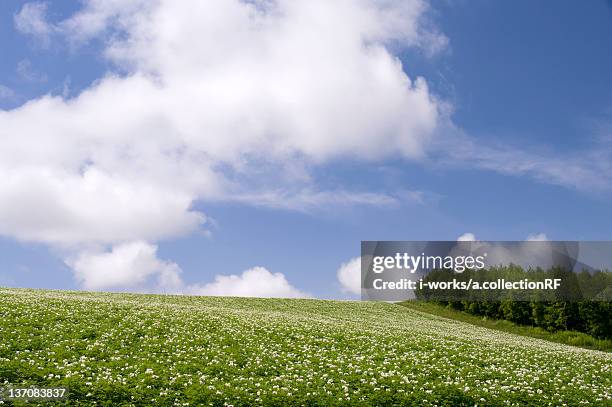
(567,337)
(124,349)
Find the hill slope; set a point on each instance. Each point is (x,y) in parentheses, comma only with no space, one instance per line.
(172,350)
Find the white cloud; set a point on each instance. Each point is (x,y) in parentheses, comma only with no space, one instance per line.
(211,91)
(27,72)
(525,254)
(32,20)
(129,265)
(588,169)
(65,208)
(467,237)
(254,282)
(470,237)
(6,92)
(534,251)
(216,84)
(539,237)
(308,199)
(349,276)
(135,266)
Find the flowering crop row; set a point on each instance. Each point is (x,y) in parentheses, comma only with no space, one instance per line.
(127,349)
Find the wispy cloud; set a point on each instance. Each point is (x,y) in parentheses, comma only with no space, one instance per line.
(6,92)
(307,200)
(26,71)
(588,169)
(32,20)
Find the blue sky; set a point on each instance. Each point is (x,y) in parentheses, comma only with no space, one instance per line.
(520,82)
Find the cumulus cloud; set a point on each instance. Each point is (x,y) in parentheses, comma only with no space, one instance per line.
(67,209)
(539,237)
(533,237)
(254,282)
(128,265)
(523,253)
(216,84)
(136,266)
(467,237)
(203,94)
(349,276)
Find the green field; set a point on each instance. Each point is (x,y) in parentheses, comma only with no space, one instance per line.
(567,337)
(121,349)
